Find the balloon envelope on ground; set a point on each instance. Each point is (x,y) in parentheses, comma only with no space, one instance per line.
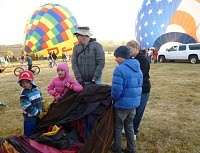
(162,21)
(50,28)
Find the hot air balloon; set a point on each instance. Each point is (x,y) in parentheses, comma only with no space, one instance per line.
(164,21)
(50,28)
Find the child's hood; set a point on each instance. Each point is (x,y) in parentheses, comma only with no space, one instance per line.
(133,64)
(63,66)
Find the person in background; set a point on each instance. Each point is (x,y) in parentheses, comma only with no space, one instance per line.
(42,57)
(37,57)
(64,57)
(29,61)
(54,56)
(22,58)
(149,54)
(155,54)
(0,61)
(31,101)
(134,47)
(88,58)
(126,93)
(6,59)
(50,59)
(62,83)
(13,58)
(67,56)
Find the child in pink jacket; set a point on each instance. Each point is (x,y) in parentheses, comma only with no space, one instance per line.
(62,83)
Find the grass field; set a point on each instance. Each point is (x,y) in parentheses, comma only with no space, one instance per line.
(171,123)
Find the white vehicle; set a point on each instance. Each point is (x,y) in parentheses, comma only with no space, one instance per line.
(181,52)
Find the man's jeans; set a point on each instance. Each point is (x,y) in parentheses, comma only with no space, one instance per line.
(140,112)
(54,62)
(149,59)
(124,118)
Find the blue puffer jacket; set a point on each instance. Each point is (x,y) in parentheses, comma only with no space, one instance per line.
(31,102)
(127,85)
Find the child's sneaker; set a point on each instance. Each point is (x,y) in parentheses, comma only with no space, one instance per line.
(126,151)
(2,105)
(116,151)
(123,133)
(134,137)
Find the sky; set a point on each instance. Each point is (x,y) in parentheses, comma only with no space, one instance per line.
(107,19)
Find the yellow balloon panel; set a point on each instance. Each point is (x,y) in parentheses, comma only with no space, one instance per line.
(63,47)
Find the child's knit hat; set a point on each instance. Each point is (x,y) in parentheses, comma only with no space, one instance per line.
(123,52)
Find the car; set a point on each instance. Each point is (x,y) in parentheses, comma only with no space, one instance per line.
(181,52)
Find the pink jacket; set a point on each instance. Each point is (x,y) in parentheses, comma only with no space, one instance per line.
(57,84)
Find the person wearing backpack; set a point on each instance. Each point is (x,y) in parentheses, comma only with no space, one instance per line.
(88,58)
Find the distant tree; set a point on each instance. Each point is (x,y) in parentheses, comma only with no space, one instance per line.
(110,45)
(9,53)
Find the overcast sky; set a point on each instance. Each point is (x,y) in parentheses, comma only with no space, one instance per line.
(108,19)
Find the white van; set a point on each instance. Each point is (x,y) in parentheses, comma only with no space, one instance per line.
(182,52)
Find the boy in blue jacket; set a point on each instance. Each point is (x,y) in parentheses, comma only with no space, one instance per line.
(31,101)
(126,93)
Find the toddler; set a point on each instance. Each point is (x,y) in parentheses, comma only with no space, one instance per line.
(31,101)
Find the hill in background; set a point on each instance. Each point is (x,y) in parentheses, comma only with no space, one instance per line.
(10,50)
(16,49)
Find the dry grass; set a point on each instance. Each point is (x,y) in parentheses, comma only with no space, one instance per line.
(171,123)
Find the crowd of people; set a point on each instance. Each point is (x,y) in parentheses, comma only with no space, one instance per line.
(7,59)
(152,54)
(52,58)
(130,90)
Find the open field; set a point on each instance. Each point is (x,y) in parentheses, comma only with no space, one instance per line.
(171,123)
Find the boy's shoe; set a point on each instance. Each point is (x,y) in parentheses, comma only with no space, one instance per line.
(123,133)
(126,151)
(2,105)
(116,151)
(134,137)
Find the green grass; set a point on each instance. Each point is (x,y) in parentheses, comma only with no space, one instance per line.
(171,123)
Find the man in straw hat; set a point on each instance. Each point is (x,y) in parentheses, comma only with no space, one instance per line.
(88,58)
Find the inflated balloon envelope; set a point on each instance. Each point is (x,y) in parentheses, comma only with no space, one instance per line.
(50,28)
(162,21)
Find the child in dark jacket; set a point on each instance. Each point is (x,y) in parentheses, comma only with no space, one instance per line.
(31,101)
(126,93)
(62,83)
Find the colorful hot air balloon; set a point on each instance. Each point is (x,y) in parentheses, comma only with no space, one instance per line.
(50,28)
(162,21)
